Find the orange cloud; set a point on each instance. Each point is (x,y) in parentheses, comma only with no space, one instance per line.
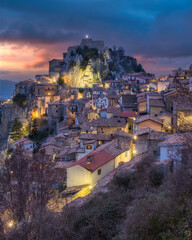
(28,58)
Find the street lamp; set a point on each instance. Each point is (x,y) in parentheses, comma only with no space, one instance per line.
(10,223)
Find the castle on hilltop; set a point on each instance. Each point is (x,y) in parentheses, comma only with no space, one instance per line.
(56,65)
(70,67)
(92,44)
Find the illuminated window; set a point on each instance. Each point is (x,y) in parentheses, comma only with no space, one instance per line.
(99,171)
(89,147)
(99,143)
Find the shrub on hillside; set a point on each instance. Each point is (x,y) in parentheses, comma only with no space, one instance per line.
(20,99)
(156,176)
(124,178)
(162,214)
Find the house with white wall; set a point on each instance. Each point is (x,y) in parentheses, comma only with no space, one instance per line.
(94,166)
(26,144)
(172,148)
(101,102)
(86,147)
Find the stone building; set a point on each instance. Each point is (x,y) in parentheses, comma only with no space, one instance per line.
(56,66)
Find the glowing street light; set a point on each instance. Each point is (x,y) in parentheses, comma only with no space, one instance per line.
(10,223)
(134,137)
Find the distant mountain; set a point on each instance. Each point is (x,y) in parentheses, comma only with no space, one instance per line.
(6,88)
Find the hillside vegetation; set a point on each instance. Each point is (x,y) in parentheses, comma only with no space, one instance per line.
(148,202)
(84,66)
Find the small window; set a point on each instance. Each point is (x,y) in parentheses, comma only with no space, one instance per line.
(89,147)
(99,171)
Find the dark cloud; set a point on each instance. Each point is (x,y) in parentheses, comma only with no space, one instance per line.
(148,28)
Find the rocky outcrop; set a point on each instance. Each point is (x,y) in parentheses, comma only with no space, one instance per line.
(10,111)
(89,63)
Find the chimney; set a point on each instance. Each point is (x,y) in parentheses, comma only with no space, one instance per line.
(89,160)
(119,144)
(88,164)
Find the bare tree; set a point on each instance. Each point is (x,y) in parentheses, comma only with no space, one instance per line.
(26,183)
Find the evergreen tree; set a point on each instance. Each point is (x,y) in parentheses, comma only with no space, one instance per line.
(16,131)
(60,80)
(34,126)
(20,99)
(72,54)
(140,68)
(27,129)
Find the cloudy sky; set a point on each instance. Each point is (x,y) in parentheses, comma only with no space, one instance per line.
(157,32)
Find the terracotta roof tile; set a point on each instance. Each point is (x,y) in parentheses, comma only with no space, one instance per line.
(100,136)
(149,117)
(99,159)
(154,135)
(142,100)
(51,149)
(174,139)
(128,114)
(63,164)
(142,131)
(156,103)
(109,122)
(121,133)
(182,103)
(103,154)
(111,110)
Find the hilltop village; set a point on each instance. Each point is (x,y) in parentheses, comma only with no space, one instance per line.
(95,111)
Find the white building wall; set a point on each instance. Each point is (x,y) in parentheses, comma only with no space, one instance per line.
(105,169)
(29,145)
(170,152)
(77,176)
(163,153)
(123,157)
